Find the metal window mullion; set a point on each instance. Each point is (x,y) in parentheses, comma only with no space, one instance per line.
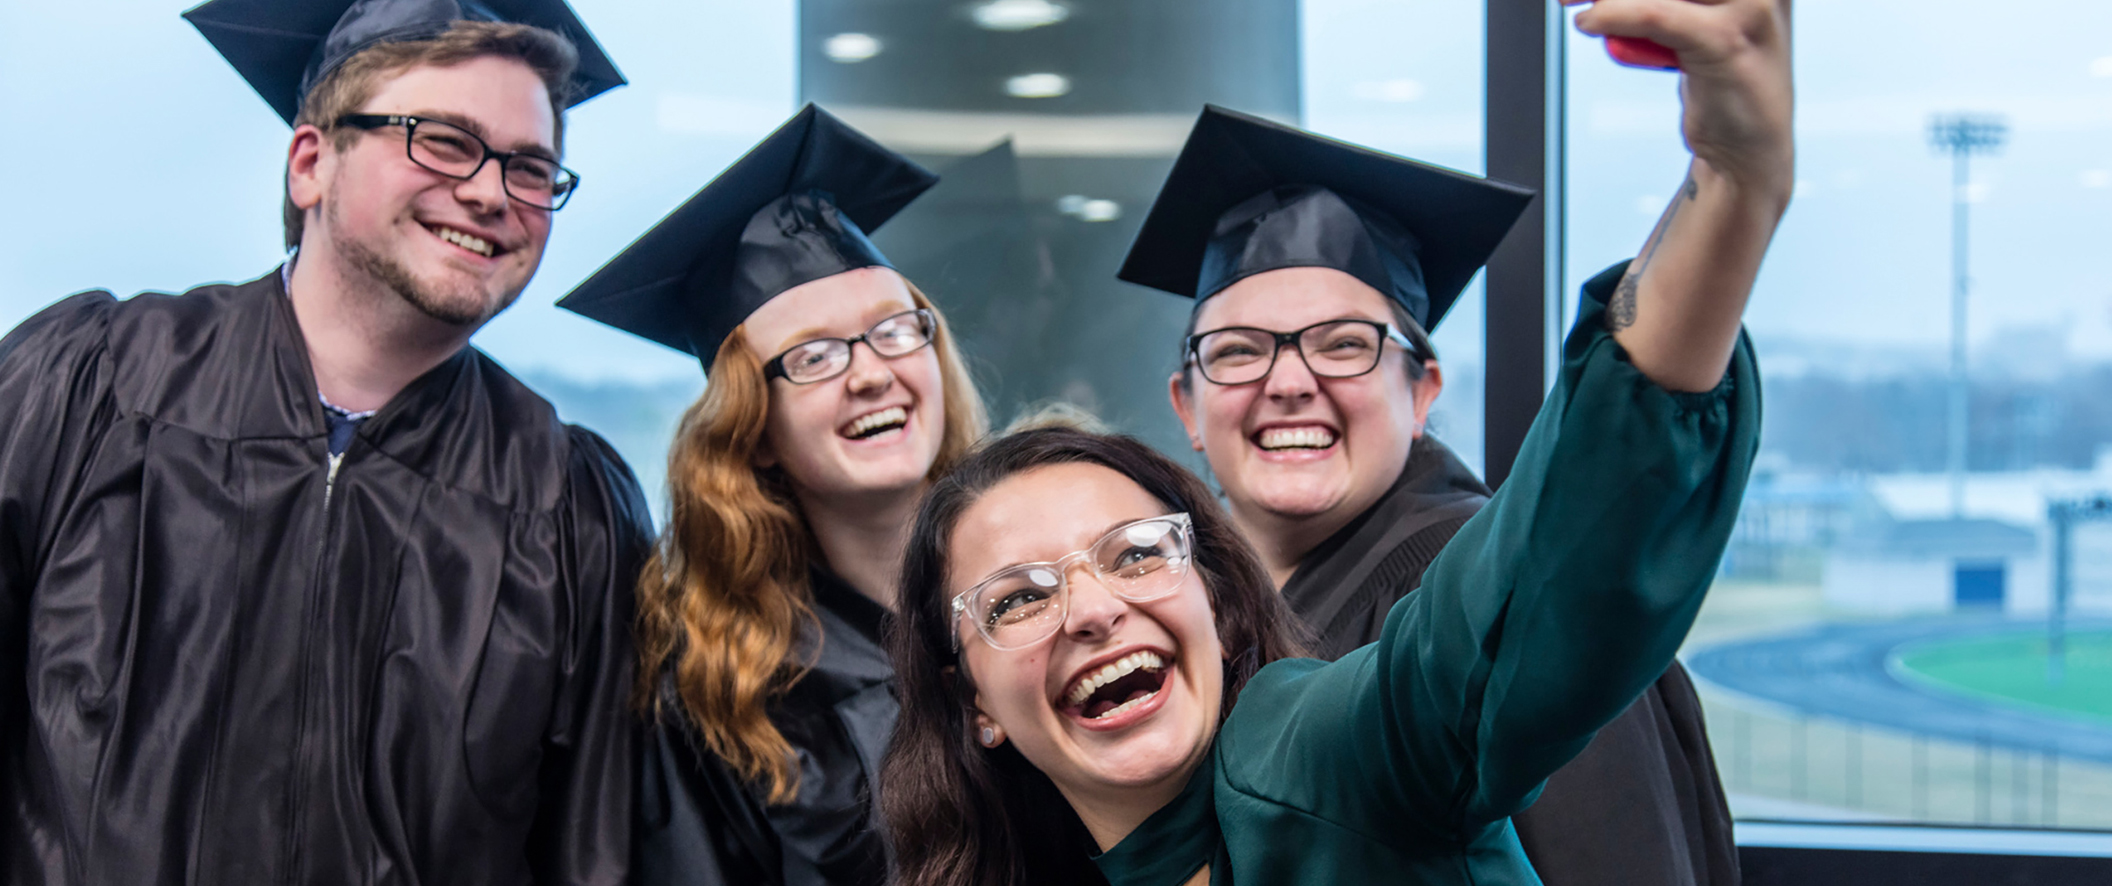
(1522,145)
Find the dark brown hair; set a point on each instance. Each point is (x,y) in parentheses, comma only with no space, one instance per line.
(348,86)
(957,814)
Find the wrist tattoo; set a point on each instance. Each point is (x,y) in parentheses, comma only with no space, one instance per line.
(1620,310)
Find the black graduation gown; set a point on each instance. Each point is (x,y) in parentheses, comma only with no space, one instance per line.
(700,824)
(226,657)
(1641,806)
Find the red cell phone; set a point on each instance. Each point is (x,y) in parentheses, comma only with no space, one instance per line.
(1637,52)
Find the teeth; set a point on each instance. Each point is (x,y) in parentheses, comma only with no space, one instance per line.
(1126,706)
(893,415)
(473,244)
(1112,671)
(1297,438)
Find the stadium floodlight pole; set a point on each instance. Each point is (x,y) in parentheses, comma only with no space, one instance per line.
(1962,135)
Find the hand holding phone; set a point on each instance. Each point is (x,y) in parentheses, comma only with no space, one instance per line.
(1637,52)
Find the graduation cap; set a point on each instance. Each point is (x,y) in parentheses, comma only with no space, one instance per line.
(1247,195)
(794,210)
(284,47)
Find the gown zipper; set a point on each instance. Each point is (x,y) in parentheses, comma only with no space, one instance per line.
(330,483)
(335,461)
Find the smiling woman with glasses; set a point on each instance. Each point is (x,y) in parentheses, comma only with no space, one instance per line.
(1090,693)
(835,396)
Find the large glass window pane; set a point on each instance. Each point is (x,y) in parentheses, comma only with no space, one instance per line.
(1361,86)
(1879,646)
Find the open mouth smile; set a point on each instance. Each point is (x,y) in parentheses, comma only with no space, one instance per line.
(873,424)
(1298,437)
(1107,694)
(468,242)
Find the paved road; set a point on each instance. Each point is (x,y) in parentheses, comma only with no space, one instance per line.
(1838,671)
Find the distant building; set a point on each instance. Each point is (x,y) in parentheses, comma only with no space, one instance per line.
(1901,551)
(1896,567)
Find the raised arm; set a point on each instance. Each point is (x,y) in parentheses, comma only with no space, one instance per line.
(1676,311)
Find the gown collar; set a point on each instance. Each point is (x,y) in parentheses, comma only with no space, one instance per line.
(1433,477)
(1176,841)
(445,422)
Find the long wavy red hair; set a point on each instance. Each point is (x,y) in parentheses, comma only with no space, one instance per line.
(725,597)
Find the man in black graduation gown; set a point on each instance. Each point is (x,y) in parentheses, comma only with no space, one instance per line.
(295,586)
(1642,806)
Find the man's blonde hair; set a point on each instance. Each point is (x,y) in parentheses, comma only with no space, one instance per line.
(342,91)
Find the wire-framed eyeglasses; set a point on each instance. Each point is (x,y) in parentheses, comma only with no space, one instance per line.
(825,358)
(1022,605)
(1238,355)
(459,154)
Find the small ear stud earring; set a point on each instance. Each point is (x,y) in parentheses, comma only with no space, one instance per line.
(989,737)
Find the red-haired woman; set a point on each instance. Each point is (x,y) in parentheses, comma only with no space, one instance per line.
(835,395)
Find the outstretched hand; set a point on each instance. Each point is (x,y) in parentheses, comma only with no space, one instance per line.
(1735,80)
(1677,311)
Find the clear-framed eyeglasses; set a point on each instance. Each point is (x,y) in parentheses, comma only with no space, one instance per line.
(825,358)
(1022,605)
(1238,355)
(457,153)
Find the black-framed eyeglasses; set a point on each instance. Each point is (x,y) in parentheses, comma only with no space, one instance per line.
(1238,355)
(825,358)
(1019,606)
(459,154)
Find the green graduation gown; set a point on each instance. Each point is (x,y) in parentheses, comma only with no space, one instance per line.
(1550,612)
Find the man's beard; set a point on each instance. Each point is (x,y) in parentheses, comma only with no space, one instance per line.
(468,311)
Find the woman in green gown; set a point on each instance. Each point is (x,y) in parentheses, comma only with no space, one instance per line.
(1096,674)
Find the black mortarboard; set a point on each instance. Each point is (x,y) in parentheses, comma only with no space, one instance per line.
(1248,195)
(794,210)
(282,47)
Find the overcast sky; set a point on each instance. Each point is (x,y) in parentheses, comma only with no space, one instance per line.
(138,160)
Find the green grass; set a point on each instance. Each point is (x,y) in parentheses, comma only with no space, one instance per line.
(2011,669)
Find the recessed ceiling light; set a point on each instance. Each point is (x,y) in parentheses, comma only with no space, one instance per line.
(2101,67)
(1018,15)
(851,48)
(1037,85)
(1089,209)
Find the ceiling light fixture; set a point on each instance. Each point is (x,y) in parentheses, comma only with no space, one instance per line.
(1088,209)
(1018,15)
(851,48)
(1037,86)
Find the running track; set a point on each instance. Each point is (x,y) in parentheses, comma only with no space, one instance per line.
(1838,671)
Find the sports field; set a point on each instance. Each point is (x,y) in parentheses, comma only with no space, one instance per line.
(2010,668)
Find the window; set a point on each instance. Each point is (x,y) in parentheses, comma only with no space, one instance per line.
(1425,104)
(1885,641)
